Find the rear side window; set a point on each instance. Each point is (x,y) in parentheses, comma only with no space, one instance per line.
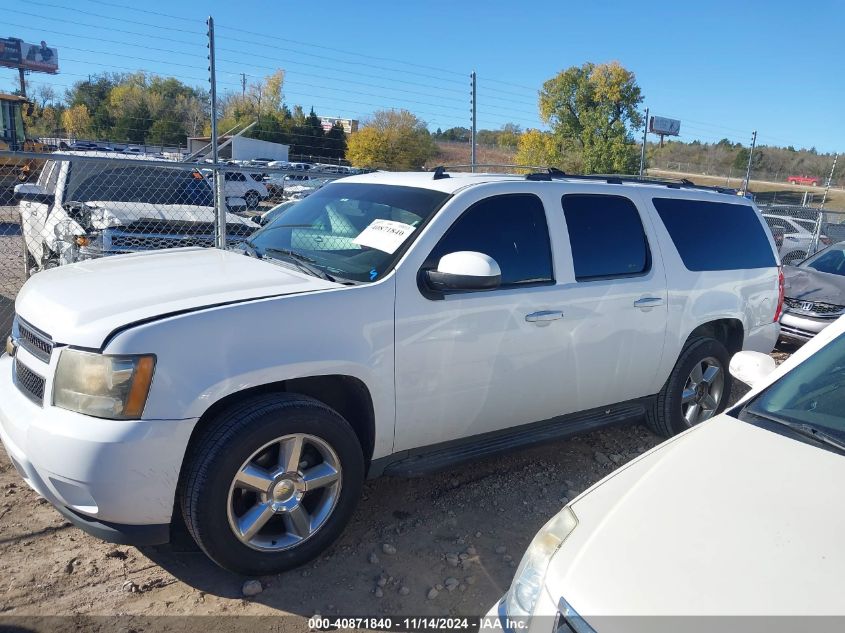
(716,235)
(606,235)
(509,228)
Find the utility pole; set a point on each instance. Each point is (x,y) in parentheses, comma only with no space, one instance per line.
(642,151)
(473,84)
(219,196)
(243,85)
(23,81)
(750,156)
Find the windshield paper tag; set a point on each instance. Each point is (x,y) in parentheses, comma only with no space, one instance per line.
(384,235)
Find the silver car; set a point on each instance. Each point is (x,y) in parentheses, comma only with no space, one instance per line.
(814,294)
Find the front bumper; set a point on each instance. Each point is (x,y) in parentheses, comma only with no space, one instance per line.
(798,328)
(115,479)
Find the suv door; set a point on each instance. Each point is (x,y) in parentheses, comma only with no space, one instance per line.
(475,362)
(615,299)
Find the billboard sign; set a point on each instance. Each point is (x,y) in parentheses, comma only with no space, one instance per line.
(10,52)
(664,127)
(15,53)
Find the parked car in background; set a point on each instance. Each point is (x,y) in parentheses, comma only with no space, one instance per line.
(81,209)
(272,214)
(812,181)
(133,150)
(83,146)
(734,518)
(797,236)
(242,185)
(814,293)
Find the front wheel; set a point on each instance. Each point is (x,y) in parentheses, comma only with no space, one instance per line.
(697,389)
(272,483)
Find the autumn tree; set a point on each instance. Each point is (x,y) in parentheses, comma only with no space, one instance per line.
(392,139)
(592,109)
(77,121)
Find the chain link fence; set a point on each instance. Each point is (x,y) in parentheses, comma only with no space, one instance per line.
(802,231)
(66,207)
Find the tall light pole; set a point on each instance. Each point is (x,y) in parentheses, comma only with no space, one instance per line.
(750,156)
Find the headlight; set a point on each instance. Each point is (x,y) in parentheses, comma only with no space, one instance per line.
(528,581)
(113,387)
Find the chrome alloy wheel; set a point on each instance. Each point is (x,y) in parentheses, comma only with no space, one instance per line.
(703,391)
(284,492)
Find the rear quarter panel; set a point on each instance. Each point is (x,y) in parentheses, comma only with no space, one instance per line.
(698,297)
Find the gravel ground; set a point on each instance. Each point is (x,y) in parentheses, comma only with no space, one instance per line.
(445,544)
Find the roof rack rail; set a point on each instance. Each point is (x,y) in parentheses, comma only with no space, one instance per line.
(551,173)
(508,165)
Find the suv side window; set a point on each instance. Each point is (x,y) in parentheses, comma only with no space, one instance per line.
(606,235)
(716,235)
(509,228)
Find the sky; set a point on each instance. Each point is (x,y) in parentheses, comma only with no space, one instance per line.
(723,68)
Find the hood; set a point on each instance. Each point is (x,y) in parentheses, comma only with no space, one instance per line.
(82,303)
(106,214)
(809,284)
(727,519)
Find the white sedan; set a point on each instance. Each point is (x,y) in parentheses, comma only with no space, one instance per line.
(739,516)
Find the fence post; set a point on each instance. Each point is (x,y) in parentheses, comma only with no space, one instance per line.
(473,158)
(818,232)
(750,156)
(219,188)
(642,150)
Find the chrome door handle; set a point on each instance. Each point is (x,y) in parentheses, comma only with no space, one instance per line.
(648,302)
(544,316)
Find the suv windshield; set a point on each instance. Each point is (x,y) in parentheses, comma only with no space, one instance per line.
(350,230)
(830,260)
(812,394)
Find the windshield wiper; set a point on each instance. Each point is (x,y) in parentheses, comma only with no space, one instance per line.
(303,262)
(805,430)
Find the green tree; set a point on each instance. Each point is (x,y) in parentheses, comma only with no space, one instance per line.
(592,109)
(392,139)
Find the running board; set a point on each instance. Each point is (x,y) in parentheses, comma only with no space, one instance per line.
(439,457)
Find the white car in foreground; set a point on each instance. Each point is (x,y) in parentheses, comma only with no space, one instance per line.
(740,516)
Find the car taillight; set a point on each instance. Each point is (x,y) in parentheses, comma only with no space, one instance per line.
(779,310)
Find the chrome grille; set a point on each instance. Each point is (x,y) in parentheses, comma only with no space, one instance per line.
(35,341)
(30,383)
(813,308)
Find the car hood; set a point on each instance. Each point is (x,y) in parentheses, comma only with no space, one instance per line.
(809,284)
(107,214)
(727,519)
(82,303)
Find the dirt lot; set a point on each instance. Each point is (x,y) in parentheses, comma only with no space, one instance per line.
(465,529)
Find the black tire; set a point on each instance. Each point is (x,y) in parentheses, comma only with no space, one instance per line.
(665,416)
(253,199)
(230,439)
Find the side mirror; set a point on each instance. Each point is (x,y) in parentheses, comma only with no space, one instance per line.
(752,368)
(464,271)
(33,192)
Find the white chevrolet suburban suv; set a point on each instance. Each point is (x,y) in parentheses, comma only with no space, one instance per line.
(408,322)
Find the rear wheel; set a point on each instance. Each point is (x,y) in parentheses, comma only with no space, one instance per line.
(271,483)
(697,389)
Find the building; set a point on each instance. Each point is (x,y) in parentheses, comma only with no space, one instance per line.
(349,125)
(240,148)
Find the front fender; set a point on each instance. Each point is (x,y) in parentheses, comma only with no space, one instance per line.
(208,354)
